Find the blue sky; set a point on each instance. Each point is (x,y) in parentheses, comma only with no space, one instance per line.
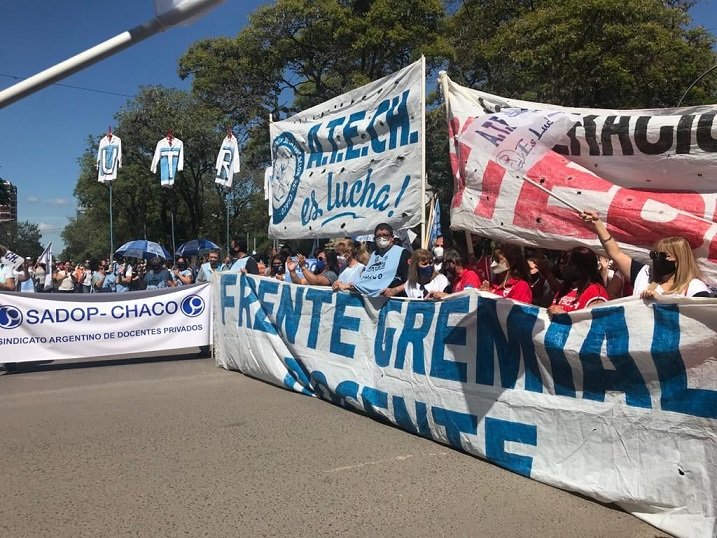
(43,136)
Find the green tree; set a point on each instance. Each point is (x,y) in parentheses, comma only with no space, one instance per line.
(21,237)
(593,53)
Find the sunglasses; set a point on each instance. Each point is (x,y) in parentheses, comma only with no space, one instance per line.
(661,255)
(321,259)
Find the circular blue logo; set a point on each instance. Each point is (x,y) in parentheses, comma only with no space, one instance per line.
(286,174)
(10,317)
(192,306)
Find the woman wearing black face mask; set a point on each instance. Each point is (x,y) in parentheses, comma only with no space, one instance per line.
(673,270)
(582,283)
(182,274)
(276,269)
(423,279)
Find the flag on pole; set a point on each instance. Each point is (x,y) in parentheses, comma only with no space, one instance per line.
(435,231)
(46,258)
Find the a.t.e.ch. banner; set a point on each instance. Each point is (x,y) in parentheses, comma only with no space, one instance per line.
(355,161)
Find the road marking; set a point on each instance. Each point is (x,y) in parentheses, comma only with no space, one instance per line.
(380,462)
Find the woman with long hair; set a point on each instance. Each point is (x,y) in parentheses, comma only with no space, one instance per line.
(514,280)
(423,278)
(582,283)
(673,270)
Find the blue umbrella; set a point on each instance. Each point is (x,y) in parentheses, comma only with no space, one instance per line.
(195,247)
(141,248)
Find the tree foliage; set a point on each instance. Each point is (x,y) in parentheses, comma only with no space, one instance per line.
(593,53)
(21,237)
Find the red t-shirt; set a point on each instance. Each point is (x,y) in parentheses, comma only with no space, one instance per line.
(482,267)
(516,289)
(594,293)
(468,279)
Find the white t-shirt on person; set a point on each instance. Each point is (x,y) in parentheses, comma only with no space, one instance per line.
(642,281)
(414,290)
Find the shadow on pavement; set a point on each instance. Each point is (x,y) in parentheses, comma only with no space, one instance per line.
(49,366)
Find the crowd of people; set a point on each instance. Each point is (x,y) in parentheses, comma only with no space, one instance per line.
(104,276)
(561,281)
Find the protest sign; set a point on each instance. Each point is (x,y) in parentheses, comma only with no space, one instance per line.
(648,173)
(36,327)
(346,165)
(618,403)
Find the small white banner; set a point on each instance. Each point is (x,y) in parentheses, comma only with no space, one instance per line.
(54,326)
(618,403)
(346,165)
(12,259)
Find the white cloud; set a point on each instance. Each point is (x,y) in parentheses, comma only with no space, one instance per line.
(44,226)
(58,202)
(32,199)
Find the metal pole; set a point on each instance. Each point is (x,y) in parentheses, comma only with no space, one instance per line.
(423,149)
(112,241)
(227,207)
(174,248)
(187,10)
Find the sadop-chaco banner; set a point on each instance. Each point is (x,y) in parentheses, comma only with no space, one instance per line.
(648,173)
(346,165)
(55,326)
(618,403)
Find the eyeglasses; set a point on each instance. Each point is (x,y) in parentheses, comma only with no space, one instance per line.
(385,236)
(661,255)
(321,259)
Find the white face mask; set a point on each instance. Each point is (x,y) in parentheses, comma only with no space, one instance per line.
(498,268)
(438,253)
(382,242)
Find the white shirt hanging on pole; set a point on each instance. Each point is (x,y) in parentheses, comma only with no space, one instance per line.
(169,154)
(109,158)
(227,161)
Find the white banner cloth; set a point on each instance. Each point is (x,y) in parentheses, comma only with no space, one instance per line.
(55,326)
(648,173)
(12,259)
(355,161)
(618,403)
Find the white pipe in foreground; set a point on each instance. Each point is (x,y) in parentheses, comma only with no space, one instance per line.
(184,11)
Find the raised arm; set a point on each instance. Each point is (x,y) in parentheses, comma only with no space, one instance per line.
(623,262)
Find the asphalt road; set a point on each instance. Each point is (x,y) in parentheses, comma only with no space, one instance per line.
(181,448)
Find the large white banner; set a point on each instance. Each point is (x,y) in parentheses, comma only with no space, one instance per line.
(55,326)
(346,165)
(648,173)
(618,403)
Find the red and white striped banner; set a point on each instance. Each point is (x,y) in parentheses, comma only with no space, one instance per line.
(648,173)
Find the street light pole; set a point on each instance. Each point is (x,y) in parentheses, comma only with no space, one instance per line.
(695,82)
(185,10)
